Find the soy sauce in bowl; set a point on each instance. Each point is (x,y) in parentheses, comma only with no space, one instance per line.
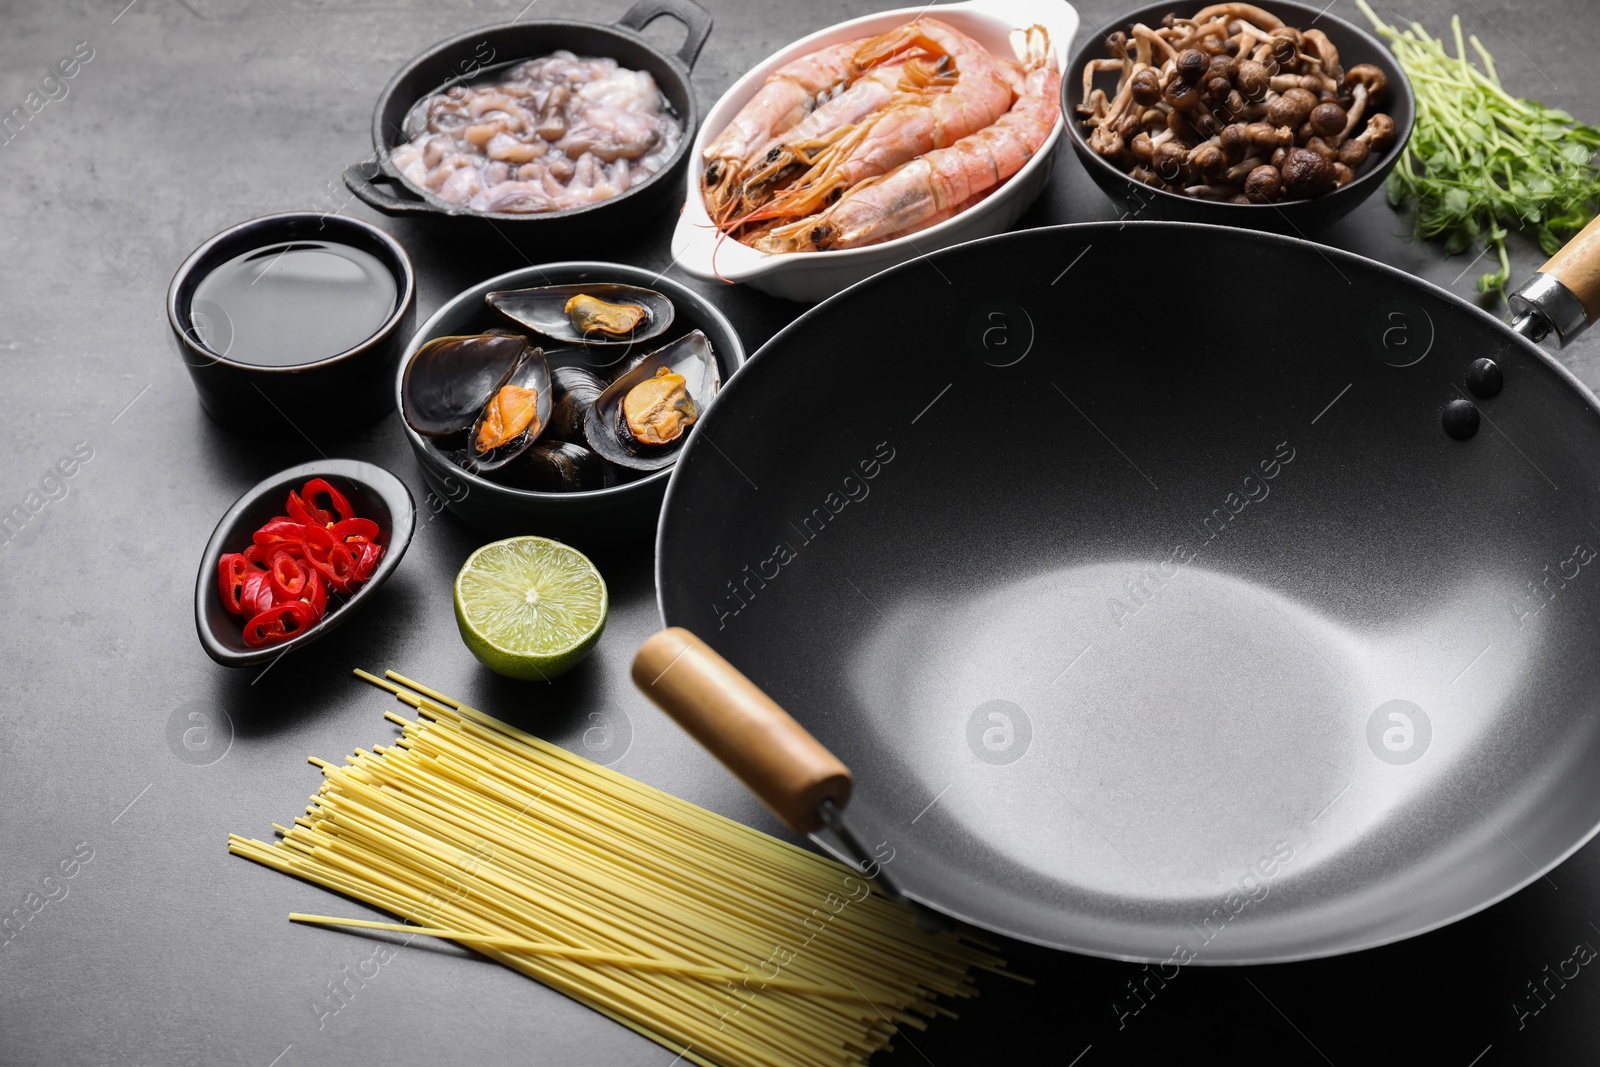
(292,302)
(291,324)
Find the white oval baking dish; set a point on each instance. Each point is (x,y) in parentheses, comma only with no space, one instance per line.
(814,276)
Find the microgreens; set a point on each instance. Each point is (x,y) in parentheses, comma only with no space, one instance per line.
(1482,162)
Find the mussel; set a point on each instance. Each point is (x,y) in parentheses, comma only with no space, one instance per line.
(591,315)
(514,417)
(643,417)
(558,467)
(597,314)
(492,388)
(572,390)
(657,412)
(450,379)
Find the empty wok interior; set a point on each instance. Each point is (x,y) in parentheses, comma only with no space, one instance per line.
(1110,634)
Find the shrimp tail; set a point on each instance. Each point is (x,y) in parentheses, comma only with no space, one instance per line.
(1032,47)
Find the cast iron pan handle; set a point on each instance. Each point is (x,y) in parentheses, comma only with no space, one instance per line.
(695,19)
(1564,297)
(373,195)
(740,725)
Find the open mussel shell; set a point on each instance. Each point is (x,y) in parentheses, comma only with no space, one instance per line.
(573,390)
(551,466)
(544,311)
(690,356)
(450,379)
(530,373)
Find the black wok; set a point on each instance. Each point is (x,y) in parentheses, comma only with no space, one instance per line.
(1133,572)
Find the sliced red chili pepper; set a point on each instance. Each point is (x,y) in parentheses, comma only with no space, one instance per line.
(232,570)
(356,529)
(283,533)
(309,514)
(338,567)
(279,623)
(287,575)
(317,544)
(316,593)
(320,498)
(282,581)
(257,595)
(367,556)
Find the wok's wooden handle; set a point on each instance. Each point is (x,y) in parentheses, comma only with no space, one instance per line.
(740,725)
(1577,266)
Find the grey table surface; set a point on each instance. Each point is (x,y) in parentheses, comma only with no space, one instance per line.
(162,949)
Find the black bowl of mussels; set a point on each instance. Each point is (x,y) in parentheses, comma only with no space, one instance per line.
(555,399)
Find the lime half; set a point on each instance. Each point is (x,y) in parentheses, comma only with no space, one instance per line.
(530,607)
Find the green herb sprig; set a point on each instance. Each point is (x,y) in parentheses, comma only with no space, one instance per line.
(1482,162)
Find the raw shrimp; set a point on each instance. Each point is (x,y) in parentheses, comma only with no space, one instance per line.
(557,132)
(790,94)
(936,186)
(912,124)
(788,154)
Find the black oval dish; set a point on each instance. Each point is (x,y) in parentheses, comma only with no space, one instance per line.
(373,492)
(463,58)
(340,394)
(1290,217)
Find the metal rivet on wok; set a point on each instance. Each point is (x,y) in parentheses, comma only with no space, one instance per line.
(1460,419)
(1485,378)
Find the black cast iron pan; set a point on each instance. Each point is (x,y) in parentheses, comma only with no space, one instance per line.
(1175,593)
(480,54)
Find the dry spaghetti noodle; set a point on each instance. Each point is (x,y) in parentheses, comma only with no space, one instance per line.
(717,941)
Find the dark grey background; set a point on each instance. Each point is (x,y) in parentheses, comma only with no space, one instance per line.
(195,115)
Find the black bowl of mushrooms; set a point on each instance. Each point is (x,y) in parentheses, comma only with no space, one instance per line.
(1276,117)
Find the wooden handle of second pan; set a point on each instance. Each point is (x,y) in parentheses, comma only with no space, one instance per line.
(740,725)
(1577,266)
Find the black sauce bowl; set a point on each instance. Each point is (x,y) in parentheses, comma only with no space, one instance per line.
(373,492)
(344,392)
(1291,217)
(466,58)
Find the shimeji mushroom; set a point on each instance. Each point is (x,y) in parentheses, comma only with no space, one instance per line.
(1327,120)
(1371,78)
(1145,85)
(1192,65)
(1283,48)
(1244,168)
(1233,104)
(1358,107)
(1291,108)
(1263,184)
(1380,132)
(1234,141)
(1142,147)
(1206,163)
(1253,80)
(1169,160)
(1150,42)
(1306,173)
(1240,12)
